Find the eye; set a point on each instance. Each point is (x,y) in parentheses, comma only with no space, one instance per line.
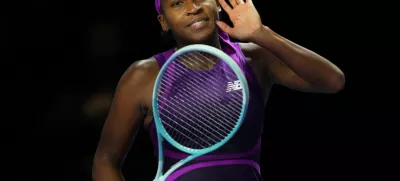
(176,3)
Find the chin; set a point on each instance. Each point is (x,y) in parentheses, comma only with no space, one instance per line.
(205,36)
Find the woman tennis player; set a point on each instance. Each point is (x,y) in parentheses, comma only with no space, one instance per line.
(267,59)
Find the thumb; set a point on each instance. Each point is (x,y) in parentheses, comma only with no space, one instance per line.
(224,27)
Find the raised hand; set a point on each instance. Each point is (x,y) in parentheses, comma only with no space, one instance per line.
(245,19)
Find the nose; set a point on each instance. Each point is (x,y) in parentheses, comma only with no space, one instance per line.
(194,7)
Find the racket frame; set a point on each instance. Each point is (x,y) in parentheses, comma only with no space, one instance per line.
(161,132)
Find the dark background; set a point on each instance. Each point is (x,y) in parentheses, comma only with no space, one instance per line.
(69,53)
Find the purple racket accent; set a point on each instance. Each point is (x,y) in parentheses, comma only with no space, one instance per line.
(200,100)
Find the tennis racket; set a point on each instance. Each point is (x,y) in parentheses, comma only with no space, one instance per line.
(200,99)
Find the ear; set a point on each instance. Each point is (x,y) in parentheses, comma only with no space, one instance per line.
(163,22)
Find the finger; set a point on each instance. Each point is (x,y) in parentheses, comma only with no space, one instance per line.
(233,3)
(225,6)
(239,1)
(249,1)
(224,27)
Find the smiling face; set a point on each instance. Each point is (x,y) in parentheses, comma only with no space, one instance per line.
(191,21)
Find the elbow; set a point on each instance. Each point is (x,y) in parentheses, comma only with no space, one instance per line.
(97,166)
(337,82)
(101,165)
(96,170)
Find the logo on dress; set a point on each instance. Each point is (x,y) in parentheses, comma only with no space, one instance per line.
(232,86)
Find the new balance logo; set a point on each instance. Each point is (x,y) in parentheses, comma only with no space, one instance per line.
(232,86)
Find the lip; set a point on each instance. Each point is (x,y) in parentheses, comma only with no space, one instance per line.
(196,20)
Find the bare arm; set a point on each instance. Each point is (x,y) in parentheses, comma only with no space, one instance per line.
(294,66)
(123,122)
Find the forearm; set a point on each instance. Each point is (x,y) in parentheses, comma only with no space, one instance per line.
(106,172)
(308,65)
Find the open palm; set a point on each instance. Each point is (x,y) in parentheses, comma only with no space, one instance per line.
(244,17)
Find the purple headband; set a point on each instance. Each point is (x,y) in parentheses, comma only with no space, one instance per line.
(158,5)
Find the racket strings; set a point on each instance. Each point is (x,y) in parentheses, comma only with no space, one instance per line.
(195,107)
(193,136)
(213,82)
(204,104)
(191,117)
(203,126)
(203,115)
(170,127)
(196,85)
(194,58)
(219,128)
(208,132)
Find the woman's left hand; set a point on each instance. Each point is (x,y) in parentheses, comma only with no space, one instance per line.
(245,19)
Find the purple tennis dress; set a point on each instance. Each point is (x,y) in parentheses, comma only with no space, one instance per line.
(238,159)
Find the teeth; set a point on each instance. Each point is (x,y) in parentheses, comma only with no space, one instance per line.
(197,23)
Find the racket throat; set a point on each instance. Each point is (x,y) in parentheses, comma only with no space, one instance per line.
(176,166)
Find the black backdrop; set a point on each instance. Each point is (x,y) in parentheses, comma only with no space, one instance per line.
(66,52)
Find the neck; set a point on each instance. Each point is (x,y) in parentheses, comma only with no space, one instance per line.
(214,41)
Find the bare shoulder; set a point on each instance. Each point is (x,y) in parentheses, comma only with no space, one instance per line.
(140,72)
(250,50)
(148,63)
(255,55)
(248,46)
